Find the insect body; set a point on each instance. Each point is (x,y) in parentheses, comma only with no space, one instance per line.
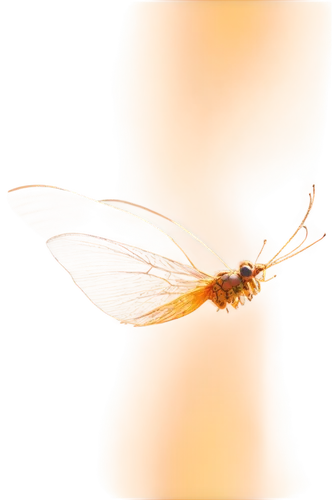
(231,287)
(131,284)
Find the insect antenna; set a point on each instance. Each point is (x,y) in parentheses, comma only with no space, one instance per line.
(310,198)
(289,249)
(264,243)
(303,246)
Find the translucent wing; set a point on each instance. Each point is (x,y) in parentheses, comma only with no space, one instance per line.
(310,236)
(48,209)
(184,304)
(130,284)
(52,211)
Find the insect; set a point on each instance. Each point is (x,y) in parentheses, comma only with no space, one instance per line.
(129,283)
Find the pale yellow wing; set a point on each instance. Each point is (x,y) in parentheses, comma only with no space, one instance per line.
(173,228)
(49,209)
(128,283)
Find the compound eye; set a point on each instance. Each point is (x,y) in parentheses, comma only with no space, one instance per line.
(246,271)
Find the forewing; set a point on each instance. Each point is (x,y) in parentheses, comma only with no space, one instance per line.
(52,211)
(128,283)
(145,233)
(48,209)
(149,229)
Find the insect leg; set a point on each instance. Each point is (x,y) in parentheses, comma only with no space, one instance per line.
(254,286)
(257,284)
(273,278)
(249,287)
(242,299)
(235,303)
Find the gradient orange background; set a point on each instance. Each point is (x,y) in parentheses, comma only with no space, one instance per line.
(218,102)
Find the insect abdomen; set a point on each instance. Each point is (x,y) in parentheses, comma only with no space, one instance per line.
(226,288)
(218,296)
(231,288)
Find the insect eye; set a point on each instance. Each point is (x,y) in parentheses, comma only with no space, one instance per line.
(246,271)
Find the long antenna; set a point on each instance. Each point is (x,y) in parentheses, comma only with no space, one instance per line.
(265,241)
(202,243)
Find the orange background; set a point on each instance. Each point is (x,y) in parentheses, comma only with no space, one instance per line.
(219,104)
